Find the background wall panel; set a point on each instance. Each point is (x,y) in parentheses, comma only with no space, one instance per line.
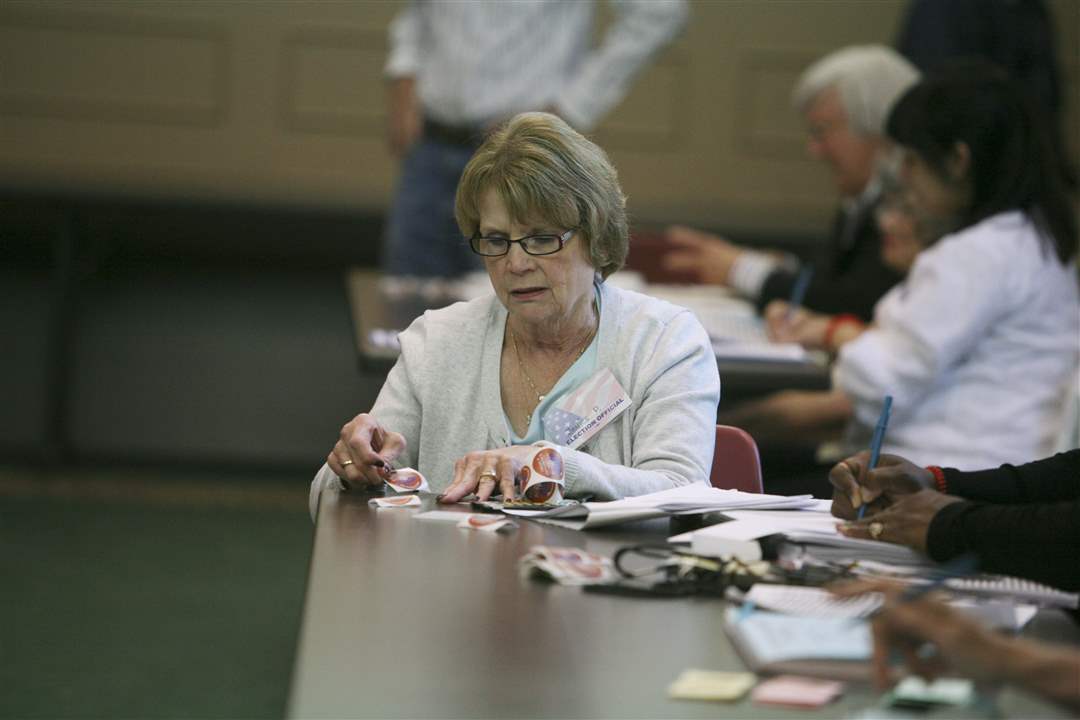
(282,102)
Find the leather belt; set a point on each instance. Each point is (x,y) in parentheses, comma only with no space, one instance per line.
(462,136)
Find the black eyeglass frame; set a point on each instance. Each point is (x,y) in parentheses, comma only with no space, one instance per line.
(563,239)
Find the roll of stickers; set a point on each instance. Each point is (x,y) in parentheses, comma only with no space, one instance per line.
(541,479)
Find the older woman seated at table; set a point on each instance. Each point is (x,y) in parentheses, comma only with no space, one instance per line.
(479,381)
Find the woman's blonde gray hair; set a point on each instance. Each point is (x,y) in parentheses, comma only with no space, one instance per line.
(544,170)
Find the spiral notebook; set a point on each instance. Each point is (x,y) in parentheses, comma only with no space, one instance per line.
(1012,588)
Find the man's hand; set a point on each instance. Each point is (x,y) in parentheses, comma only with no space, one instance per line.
(708,258)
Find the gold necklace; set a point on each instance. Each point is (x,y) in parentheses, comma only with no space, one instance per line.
(525,373)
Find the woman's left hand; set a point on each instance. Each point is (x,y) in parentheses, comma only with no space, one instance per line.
(484,470)
(905,522)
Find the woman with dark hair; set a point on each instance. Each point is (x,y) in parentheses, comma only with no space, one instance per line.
(972,127)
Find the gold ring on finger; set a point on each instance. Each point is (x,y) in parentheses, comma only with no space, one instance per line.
(346,463)
(488,476)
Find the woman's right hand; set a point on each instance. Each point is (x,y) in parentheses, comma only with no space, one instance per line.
(802,326)
(893,477)
(365,451)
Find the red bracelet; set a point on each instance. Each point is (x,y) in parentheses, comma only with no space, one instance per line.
(834,325)
(939,478)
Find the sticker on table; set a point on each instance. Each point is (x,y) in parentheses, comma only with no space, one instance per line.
(396,502)
(567,565)
(487,523)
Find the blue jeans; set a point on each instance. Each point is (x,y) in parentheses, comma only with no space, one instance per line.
(421,235)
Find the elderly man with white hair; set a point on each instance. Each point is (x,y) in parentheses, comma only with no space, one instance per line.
(844,99)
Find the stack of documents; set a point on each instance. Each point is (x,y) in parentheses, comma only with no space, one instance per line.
(814,602)
(813,529)
(684,500)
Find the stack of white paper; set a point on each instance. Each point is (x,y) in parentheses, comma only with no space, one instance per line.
(684,500)
(733,324)
(817,602)
(815,530)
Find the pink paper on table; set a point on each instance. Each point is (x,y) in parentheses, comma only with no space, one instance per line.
(797,692)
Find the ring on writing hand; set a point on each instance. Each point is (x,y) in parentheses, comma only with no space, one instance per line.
(488,476)
(346,463)
(876,529)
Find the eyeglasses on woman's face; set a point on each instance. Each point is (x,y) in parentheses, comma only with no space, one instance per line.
(544,244)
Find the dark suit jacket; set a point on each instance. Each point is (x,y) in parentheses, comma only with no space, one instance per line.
(849,276)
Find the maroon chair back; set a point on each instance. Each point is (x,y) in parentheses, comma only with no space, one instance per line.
(736,464)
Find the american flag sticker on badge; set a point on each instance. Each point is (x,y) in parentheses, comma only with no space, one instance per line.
(586,410)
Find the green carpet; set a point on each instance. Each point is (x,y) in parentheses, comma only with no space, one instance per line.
(147,608)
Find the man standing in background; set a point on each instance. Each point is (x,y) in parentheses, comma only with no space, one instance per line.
(458,67)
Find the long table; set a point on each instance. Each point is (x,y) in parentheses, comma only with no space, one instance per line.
(412,618)
(376,318)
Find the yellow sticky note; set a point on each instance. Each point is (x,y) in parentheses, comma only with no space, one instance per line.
(711,685)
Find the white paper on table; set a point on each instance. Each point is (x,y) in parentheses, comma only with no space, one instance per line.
(443,516)
(808,528)
(739,350)
(682,500)
(735,538)
(998,614)
(814,528)
(806,601)
(811,601)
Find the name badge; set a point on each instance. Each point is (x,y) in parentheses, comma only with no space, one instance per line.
(586,411)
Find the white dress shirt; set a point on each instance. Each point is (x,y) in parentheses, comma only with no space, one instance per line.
(977,348)
(477,61)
